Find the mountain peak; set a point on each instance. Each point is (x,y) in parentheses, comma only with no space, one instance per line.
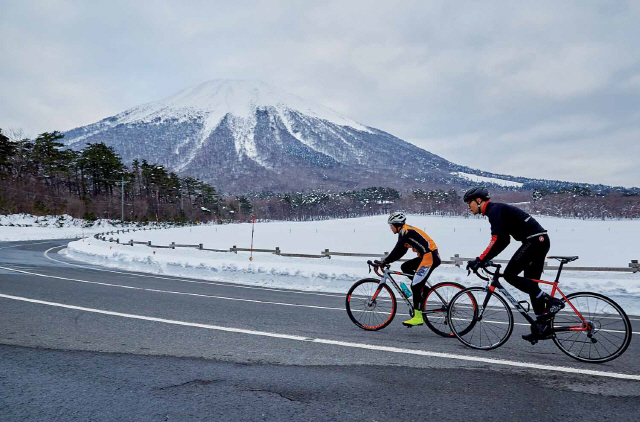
(214,99)
(250,135)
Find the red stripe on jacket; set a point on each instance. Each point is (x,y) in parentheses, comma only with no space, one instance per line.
(486,251)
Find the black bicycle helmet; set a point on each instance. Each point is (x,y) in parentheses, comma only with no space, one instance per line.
(478,192)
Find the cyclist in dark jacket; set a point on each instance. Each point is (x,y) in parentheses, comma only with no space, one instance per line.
(508,221)
(428,259)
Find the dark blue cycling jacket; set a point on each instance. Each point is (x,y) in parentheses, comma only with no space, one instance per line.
(507,220)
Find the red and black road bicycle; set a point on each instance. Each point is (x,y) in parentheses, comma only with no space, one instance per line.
(371,302)
(590,328)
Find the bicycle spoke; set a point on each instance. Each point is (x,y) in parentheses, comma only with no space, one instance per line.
(576,337)
(606,338)
(492,330)
(436,308)
(608,324)
(367,313)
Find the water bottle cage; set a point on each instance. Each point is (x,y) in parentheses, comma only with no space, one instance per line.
(524,302)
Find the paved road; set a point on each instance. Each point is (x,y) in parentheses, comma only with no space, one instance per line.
(81,342)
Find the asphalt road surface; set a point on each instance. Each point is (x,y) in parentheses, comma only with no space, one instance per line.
(82,342)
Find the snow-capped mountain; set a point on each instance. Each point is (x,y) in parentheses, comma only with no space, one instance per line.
(249,136)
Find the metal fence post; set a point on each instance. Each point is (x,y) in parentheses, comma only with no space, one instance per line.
(456,259)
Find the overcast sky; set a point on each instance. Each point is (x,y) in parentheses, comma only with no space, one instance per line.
(536,89)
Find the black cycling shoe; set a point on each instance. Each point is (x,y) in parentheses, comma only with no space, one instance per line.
(532,338)
(552,305)
(540,330)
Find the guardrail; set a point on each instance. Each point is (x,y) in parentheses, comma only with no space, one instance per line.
(456,260)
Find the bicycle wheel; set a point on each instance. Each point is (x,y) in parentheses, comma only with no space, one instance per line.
(609,328)
(478,325)
(368,313)
(436,307)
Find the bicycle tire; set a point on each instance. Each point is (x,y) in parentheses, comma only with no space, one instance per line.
(436,313)
(370,316)
(611,333)
(468,327)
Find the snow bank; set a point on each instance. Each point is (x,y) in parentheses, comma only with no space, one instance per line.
(29,227)
(16,227)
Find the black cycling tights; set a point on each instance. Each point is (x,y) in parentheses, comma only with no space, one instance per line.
(530,259)
(410,267)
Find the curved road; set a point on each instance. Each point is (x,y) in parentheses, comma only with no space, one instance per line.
(82,342)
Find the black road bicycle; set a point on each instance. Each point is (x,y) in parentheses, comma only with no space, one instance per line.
(591,328)
(371,303)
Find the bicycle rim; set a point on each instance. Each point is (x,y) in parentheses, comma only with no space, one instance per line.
(609,332)
(370,314)
(477,327)
(436,307)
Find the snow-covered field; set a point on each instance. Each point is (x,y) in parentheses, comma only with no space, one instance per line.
(598,243)
(29,227)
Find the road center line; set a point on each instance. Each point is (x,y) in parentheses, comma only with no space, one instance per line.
(28,244)
(527,365)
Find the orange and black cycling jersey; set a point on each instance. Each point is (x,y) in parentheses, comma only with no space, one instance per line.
(410,237)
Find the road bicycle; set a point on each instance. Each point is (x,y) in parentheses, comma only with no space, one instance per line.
(591,328)
(371,303)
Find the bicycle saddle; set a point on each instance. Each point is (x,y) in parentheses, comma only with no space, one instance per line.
(564,259)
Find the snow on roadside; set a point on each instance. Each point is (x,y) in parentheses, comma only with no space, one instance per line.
(15,227)
(29,227)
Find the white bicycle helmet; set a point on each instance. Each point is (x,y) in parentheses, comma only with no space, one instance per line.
(397,217)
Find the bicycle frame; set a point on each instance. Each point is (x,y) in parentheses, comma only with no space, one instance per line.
(386,275)
(494,284)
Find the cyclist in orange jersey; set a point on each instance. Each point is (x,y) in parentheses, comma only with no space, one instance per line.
(428,259)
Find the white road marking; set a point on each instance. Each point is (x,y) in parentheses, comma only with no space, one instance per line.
(170,291)
(206,296)
(527,365)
